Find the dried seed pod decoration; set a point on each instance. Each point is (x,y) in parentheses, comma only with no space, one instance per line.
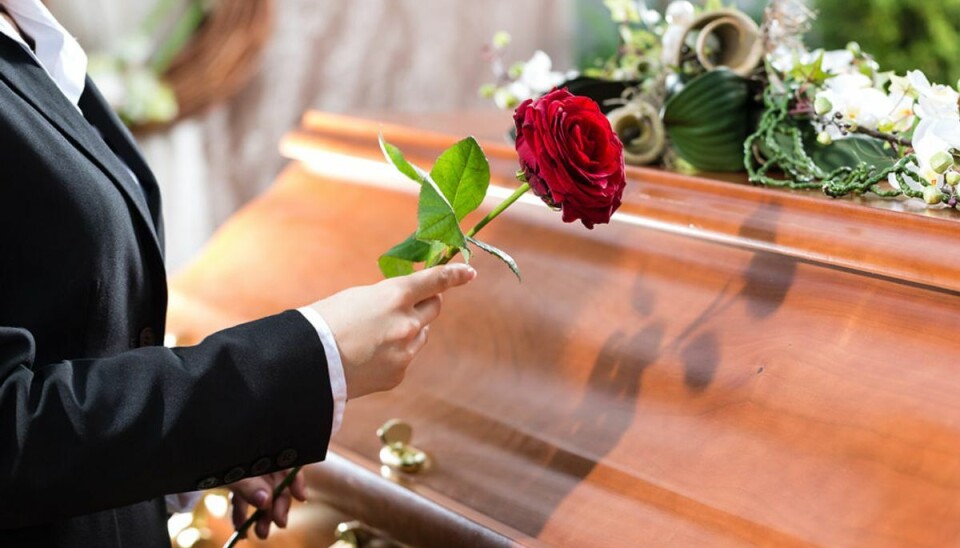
(724,38)
(639,127)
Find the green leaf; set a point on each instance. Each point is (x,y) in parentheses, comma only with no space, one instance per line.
(463,175)
(709,120)
(436,219)
(851,152)
(500,254)
(399,260)
(395,157)
(811,72)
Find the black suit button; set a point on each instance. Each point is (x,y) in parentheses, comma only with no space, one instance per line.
(261,467)
(208,483)
(235,474)
(148,337)
(286,458)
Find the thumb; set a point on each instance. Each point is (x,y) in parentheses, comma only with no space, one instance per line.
(432,281)
(255,491)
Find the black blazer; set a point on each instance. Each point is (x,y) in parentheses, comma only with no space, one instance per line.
(98,422)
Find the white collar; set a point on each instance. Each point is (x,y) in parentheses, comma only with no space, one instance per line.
(57,50)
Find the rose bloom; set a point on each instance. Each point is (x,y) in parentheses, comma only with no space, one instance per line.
(570,156)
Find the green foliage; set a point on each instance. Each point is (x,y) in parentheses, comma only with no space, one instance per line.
(463,174)
(901,34)
(708,121)
(455,187)
(399,260)
(811,72)
(851,151)
(785,144)
(436,219)
(396,159)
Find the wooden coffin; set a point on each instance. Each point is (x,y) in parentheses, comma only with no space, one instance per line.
(722,365)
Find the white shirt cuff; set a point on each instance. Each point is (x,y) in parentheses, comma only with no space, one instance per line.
(338,382)
(182,502)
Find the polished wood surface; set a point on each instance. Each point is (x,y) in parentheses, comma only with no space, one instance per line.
(722,365)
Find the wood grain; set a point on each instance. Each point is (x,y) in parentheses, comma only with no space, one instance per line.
(722,365)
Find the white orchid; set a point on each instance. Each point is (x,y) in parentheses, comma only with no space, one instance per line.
(933,100)
(937,135)
(536,78)
(934,142)
(834,62)
(680,13)
(858,102)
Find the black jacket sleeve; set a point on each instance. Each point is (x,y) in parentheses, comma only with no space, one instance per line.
(85,435)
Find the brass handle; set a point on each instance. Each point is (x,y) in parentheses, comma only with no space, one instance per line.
(349,533)
(397,454)
(353,534)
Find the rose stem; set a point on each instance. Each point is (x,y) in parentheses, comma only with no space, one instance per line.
(241,531)
(521,190)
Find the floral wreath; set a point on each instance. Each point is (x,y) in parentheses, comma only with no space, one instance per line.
(709,89)
(183,57)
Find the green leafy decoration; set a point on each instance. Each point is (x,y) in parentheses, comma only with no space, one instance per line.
(811,72)
(396,159)
(463,175)
(783,153)
(709,120)
(399,260)
(436,219)
(851,151)
(498,253)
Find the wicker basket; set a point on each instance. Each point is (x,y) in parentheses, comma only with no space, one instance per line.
(220,58)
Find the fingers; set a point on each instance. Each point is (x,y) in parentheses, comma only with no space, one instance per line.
(263,526)
(427,310)
(240,507)
(258,492)
(281,508)
(427,283)
(254,491)
(419,342)
(299,488)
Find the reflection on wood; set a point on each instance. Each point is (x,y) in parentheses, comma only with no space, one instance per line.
(722,365)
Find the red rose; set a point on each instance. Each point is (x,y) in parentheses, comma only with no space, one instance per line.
(570,156)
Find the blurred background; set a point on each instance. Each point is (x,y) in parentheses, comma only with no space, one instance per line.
(365,56)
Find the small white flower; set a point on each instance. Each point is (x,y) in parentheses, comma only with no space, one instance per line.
(650,17)
(680,13)
(672,39)
(838,61)
(505,99)
(934,140)
(935,100)
(855,97)
(537,77)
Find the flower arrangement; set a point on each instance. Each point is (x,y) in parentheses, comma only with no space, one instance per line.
(131,76)
(708,88)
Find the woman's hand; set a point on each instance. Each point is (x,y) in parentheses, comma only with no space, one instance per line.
(380,328)
(258,492)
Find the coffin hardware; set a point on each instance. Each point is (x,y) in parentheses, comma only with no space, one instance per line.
(353,534)
(397,454)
